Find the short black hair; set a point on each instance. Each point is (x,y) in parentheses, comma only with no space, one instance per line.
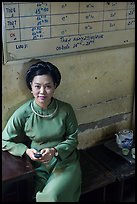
(41,68)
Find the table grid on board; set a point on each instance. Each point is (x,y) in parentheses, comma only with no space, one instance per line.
(28,21)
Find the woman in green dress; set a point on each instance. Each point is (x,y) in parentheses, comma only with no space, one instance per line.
(52,128)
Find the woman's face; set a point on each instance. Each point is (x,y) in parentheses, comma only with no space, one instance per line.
(43,89)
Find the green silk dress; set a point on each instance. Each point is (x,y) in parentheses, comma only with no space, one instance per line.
(60,179)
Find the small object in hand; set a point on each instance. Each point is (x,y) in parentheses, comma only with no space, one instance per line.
(125,151)
(133,153)
(37,155)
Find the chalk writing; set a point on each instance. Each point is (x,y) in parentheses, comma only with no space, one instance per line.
(64,27)
(21,46)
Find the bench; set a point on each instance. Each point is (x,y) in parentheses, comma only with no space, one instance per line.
(122,170)
(101,169)
(94,175)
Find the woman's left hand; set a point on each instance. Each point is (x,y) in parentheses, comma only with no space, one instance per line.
(47,154)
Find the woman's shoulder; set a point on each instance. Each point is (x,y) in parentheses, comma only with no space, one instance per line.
(24,108)
(21,113)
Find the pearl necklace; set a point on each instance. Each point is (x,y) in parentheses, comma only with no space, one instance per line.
(45,116)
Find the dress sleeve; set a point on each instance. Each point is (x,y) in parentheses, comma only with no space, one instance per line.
(66,147)
(12,135)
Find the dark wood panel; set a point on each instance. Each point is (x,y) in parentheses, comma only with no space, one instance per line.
(17,178)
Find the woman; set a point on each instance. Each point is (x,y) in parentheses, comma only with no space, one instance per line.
(52,128)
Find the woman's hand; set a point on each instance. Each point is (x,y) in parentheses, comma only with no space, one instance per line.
(31,153)
(47,154)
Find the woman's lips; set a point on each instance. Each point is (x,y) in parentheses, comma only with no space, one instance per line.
(42,97)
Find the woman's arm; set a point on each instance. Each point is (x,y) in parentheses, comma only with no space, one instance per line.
(14,131)
(66,147)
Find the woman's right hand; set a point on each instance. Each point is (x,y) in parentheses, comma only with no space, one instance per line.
(31,152)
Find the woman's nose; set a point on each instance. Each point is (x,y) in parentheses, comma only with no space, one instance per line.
(42,89)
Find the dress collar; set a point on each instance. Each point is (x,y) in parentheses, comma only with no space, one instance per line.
(50,108)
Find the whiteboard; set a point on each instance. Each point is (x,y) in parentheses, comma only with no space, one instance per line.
(43,29)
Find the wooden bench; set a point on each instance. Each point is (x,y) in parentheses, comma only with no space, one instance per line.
(122,170)
(17,172)
(94,175)
(100,169)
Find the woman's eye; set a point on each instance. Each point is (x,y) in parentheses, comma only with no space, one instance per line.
(48,87)
(36,86)
(45,87)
